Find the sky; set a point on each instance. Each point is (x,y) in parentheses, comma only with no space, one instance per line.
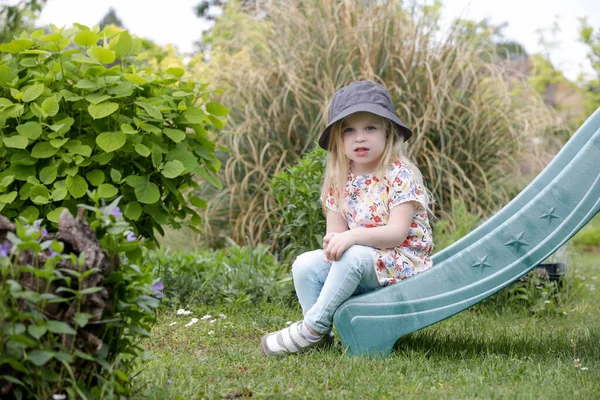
(174,21)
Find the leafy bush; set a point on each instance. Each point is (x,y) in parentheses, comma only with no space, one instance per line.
(72,323)
(85,116)
(297,191)
(234,275)
(456,225)
(472,118)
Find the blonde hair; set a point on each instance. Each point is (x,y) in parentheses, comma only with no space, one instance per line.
(338,165)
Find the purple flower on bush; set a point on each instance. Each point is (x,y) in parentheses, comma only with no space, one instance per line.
(115,212)
(5,249)
(131,236)
(44,232)
(157,288)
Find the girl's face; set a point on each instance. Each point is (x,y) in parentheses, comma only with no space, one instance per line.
(364,137)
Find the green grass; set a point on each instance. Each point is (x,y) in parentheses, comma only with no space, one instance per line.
(480,353)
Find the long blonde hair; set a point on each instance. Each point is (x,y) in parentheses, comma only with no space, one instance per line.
(338,165)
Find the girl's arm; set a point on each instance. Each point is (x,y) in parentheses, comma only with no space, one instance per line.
(382,237)
(335,222)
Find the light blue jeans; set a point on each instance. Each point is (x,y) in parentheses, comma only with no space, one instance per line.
(322,287)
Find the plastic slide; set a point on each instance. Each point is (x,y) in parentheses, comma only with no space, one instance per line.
(547,213)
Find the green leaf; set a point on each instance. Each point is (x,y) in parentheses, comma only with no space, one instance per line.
(107,190)
(121,44)
(86,38)
(54,215)
(102,55)
(175,135)
(197,202)
(40,357)
(152,111)
(82,318)
(33,92)
(6,73)
(178,72)
(142,150)
(133,78)
(180,93)
(58,142)
(50,106)
(115,175)
(37,331)
(43,150)
(133,210)
(8,198)
(16,142)
(217,122)
(48,174)
(7,180)
(128,129)
(59,194)
(145,191)
(173,169)
(111,141)
(31,213)
(95,177)
(102,110)
(60,327)
(96,98)
(217,109)
(195,116)
(31,130)
(77,186)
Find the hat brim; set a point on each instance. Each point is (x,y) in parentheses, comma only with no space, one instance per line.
(365,107)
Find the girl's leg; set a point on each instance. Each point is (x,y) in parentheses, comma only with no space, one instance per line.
(310,272)
(321,288)
(353,273)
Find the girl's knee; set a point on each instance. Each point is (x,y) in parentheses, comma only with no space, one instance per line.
(357,258)
(307,263)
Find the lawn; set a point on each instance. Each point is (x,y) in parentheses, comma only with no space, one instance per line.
(484,352)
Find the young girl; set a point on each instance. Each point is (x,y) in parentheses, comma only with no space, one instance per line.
(378,230)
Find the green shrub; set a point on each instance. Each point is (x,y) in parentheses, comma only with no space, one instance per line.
(78,116)
(235,274)
(456,225)
(297,191)
(72,323)
(589,235)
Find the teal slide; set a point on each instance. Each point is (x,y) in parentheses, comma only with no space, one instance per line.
(547,213)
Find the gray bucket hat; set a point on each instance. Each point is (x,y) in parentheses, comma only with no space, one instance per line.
(362,96)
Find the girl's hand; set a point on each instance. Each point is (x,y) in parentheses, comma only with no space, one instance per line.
(327,238)
(337,243)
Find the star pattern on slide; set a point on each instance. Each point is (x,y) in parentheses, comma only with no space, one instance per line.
(517,242)
(481,263)
(549,215)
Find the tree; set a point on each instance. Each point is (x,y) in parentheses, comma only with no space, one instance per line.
(592,39)
(111,18)
(18,17)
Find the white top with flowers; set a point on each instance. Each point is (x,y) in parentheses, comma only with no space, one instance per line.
(367,204)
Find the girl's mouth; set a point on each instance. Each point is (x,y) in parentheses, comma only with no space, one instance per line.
(361,151)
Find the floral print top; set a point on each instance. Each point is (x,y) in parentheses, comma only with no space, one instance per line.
(368,200)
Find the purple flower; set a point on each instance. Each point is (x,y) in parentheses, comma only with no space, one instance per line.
(157,288)
(131,237)
(115,212)
(5,249)
(53,253)
(44,232)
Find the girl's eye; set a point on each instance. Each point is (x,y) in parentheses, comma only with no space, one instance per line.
(371,128)
(347,130)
